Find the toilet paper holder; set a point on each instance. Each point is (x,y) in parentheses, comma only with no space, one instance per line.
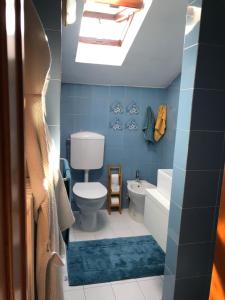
(114,188)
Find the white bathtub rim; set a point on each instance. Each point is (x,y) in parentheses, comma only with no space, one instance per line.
(167,172)
(159,199)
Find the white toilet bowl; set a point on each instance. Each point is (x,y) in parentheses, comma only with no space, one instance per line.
(90,197)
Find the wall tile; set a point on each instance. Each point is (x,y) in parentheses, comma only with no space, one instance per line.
(185,109)
(100,106)
(117,92)
(205,150)
(211,68)
(194,260)
(208,110)
(79,90)
(181,148)
(85,107)
(81,123)
(189,67)
(171,255)
(75,106)
(132,94)
(178,185)
(175,222)
(201,188)
(100,92)
(192,288)
(213,23)
(203,70)
(196,225)
(168,285)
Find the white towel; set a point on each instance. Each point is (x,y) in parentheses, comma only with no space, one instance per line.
(115,200)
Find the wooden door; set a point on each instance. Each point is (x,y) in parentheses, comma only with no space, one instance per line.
(12,197)
(217,291)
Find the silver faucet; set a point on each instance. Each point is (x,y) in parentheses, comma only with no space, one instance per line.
(138,176)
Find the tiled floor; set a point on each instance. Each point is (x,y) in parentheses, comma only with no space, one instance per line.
(111,226)
(149,288)
(114,226)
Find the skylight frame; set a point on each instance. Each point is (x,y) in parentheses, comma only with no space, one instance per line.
(111,55)
(124,17)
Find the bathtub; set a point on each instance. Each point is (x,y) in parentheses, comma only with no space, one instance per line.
(164,181)
(157,207)
(136,191)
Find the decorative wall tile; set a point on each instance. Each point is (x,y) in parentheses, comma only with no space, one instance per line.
(131,125)
(117,108)
(133,109)
(116,124)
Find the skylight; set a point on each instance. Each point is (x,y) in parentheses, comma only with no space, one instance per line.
(102,31)
(107,31)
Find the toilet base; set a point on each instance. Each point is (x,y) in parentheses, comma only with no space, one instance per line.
(88,221)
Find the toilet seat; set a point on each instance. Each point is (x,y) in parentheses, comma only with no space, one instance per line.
(89,190)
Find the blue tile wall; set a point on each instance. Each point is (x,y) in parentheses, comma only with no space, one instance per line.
(50,15)
(86,107)
(168,142)
(198,158)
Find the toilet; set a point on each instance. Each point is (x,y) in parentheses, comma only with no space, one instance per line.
(87,152)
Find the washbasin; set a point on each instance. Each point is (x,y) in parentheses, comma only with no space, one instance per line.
(139,187)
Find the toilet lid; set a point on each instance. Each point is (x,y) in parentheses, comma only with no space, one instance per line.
(89,190)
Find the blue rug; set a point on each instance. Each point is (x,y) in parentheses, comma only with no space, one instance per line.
(108,260)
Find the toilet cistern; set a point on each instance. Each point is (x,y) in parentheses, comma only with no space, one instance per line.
(87,153)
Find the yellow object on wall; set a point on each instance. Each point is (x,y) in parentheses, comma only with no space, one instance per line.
(160,125)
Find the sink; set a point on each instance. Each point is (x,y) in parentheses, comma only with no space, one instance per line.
(139,187)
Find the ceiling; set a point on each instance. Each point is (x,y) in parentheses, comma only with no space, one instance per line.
(154,59)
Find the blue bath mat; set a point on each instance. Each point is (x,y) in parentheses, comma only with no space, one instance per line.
(108,260)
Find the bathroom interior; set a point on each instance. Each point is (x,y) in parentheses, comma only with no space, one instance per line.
(120,165)
(119,172)
(128,101)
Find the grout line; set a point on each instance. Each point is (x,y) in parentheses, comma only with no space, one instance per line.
(140,288)
(191,170)
(84,293)
(114,294)
(191,46)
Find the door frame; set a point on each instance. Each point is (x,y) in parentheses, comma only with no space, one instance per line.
(13,274)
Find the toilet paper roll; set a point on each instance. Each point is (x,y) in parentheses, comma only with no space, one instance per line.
(115,200)
(115,188)
(115,179)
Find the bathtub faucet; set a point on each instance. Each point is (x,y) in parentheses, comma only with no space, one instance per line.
(138,176)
